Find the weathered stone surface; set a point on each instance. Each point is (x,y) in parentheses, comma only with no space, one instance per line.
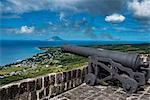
(57,90)
(71,84)
(38,83)
(51,86)
(85,92)
(53,90)
(47,91)
(23,87)
(77,82)
(74,73)
(58,78)
(83,74)
(3,94)
(68,75)
(64,77)
(31,86)
(62,87)
(45,99)
(68,85)
(86,70)
(24,96)
(46,81)
(79,73)
(52,79)
(13,91)
(33,95)
(41,94)
(146,97)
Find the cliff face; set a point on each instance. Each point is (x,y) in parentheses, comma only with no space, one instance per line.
(43,87)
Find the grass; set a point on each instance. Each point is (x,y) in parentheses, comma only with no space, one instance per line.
(7,70)
(40,71)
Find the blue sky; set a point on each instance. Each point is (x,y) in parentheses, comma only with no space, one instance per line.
(126,20)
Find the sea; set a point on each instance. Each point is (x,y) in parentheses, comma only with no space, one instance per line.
(12,51)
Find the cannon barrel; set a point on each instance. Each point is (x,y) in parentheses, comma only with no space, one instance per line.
(129,60)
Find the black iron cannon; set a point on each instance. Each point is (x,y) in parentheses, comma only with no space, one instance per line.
(106,65)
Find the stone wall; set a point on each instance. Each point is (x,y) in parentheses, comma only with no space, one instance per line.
(43,87)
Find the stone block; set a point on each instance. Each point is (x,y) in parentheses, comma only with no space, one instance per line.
(33,95)
(31,86)
(58,78)
(83,71)
(38,83)
(41,94)
(13,91)
(3,94)
(53,91)
(46,81)
(68,75)
(83,76)
(79,73)
(76,82)
(62,87)
(64,77)
(68,85)
(47,91)
(57,90)
(24,96)
(86,70)
(45,99)
(23,88)
(52,79)
(145,97)
(74,73)
(71,84)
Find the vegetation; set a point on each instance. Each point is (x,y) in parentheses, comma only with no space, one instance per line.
(59,62)
(130,48)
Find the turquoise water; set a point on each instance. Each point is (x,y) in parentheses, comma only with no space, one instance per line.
(13,50)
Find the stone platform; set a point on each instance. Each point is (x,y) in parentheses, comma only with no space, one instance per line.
(85,92)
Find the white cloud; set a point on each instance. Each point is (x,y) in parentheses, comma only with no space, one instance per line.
(26,29)
(50,23)
(140,8)
(61,16)
(115,18)
(21,6)
(91,6)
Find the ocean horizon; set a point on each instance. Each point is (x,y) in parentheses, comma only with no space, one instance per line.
(12,51)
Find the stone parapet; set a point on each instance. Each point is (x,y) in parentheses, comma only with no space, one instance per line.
(43,87)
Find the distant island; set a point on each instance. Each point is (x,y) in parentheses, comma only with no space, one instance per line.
(55,38)
(52,60)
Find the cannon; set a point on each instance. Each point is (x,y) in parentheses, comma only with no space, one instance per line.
(107,66)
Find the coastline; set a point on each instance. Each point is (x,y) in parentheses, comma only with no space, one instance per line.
(53,60)
(43,49)
(21,56)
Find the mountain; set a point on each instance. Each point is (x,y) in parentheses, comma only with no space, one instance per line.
(55,38)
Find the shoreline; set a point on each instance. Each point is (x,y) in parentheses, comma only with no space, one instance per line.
(24,58)
(6,60)
(45,48)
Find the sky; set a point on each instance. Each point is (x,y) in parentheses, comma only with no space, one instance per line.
(114,20)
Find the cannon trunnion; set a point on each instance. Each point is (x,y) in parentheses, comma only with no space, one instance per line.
(107,66)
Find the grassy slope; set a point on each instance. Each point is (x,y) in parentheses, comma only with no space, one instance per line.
(67,62)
